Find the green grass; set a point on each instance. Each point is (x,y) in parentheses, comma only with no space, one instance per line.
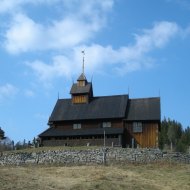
(143,177)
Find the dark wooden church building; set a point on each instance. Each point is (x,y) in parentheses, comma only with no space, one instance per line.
(85,119)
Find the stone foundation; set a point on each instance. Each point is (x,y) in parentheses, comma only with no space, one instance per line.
(92,156)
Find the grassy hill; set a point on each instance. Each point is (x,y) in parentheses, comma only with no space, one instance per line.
(120,177)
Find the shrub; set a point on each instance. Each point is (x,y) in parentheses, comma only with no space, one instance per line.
(181,146)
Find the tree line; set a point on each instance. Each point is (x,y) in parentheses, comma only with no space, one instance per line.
(172,136)
(7,144)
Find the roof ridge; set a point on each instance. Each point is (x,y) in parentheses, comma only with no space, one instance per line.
(156,97)
(111,95)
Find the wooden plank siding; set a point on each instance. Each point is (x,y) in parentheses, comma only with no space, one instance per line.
(148,137)
(83,142)
(88,124)
(80,99)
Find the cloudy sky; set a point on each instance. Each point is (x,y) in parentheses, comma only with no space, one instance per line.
(140,47)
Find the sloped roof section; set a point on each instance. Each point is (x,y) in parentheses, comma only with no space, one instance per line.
(82,77)
(55,132)
(105,107)
(75,89)
(144,109)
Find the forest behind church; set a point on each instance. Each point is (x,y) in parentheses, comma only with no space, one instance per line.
(173,136)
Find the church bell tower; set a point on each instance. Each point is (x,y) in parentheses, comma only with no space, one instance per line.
(82,91)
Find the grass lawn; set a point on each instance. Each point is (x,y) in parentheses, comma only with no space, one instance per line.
(153,176)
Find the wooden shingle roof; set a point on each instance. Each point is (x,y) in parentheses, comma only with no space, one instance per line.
(52,132)
(144,109)
(105,107)
(82,77)
(75,89)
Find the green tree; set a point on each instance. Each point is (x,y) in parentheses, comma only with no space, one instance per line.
(184,142)
(170,134)
(186,136)
(163,138)
(181,146)
(175,131)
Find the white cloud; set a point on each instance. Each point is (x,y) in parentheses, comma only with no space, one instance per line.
(7,91)
(134,57)
(8,5)
(23,35)
(74,28)
(29,93)
(124,59)
(158,36)
(61,66)
(73,31)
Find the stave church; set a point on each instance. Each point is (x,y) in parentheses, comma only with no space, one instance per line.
(88,120)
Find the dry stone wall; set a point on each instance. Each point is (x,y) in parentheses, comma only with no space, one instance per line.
(91,156)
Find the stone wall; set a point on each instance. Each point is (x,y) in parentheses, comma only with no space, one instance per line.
(91,156)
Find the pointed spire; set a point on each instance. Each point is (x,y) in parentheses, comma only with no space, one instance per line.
(83,52)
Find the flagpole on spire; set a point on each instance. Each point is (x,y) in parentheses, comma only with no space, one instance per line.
(83,52)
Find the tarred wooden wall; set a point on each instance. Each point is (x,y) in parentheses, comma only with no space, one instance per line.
(148,138)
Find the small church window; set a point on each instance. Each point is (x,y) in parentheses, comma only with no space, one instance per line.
(137,127)
(106,124)
(77,126)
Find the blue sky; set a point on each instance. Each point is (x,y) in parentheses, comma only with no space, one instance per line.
(140,47)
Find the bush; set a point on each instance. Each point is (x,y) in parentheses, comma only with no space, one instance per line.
(181,147)
(4,147)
